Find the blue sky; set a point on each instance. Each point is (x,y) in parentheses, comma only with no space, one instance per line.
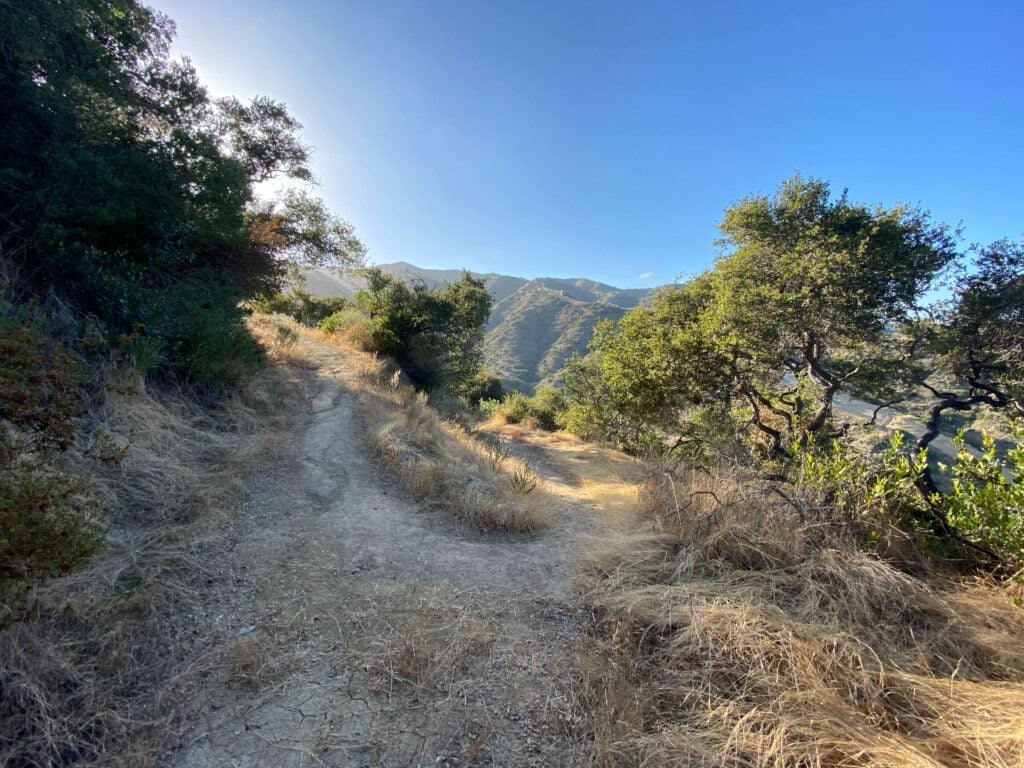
(604,139)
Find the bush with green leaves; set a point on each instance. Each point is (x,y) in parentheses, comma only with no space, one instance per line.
(542,409)
(124,185)
(435,335)
(201,331)
(515,407)
(301,305)
(48,520)
(482,386)
(980,505)
(985,502)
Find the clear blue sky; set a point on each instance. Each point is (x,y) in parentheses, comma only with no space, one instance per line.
(604,139)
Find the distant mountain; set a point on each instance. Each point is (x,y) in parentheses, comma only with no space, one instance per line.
(535,325)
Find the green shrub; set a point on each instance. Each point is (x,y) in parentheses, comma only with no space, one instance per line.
(986,500)
(546,406)
(489,407)
(542,410)
(48,520)
(515,407)
(882,486)
(982,504)
(435,335)
(342,320)
(41,380)
(48,516)
(301,305)
(202,328)
(481,386)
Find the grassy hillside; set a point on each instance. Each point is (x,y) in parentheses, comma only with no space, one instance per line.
(535,325)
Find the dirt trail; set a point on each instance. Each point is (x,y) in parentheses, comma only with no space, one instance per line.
(370,632)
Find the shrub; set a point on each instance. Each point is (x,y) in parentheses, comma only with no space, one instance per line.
(48,518)
(352,326)
(986,500)
(542,410)
(546,406)
(481,386)
(301,305)
(515,407)
(489,407)
(980,506)
(40,380)
(336,322)
(201,326)
(435,335)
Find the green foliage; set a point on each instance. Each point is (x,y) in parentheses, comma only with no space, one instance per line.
(813,296)
(986,501)
(592,408)
(880,487)
(122,181)
(47,515)
(982,504)
(481,387)
(41,380)
(515,407)
(800,305)
(301,305)
(546,405)
(980,340)
(341,320)
(489,406)
(202,331)
(434,335)
(541,410)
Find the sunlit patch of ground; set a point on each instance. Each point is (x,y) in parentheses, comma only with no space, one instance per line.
(594,473)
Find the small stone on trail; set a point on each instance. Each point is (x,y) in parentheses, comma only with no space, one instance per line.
(216,704)
(247,630)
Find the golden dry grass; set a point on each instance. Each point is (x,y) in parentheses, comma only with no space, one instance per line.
(96,665)
(731,632)
(596,474)
(437,460)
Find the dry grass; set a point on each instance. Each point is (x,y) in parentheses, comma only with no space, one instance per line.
(96,665)
(437,460)
(428,644)
(733,632)
(251,663)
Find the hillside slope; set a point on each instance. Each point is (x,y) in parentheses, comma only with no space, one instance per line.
(535,325)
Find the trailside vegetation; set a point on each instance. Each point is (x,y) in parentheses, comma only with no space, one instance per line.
(435,335)
(127,192)
(813,297)
(131,235)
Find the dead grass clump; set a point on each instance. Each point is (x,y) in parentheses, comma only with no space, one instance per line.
(428,643)
(437,460)
(97,664)
(737,628)
(250,663)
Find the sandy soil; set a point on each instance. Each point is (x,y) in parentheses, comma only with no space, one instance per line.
(370,632)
